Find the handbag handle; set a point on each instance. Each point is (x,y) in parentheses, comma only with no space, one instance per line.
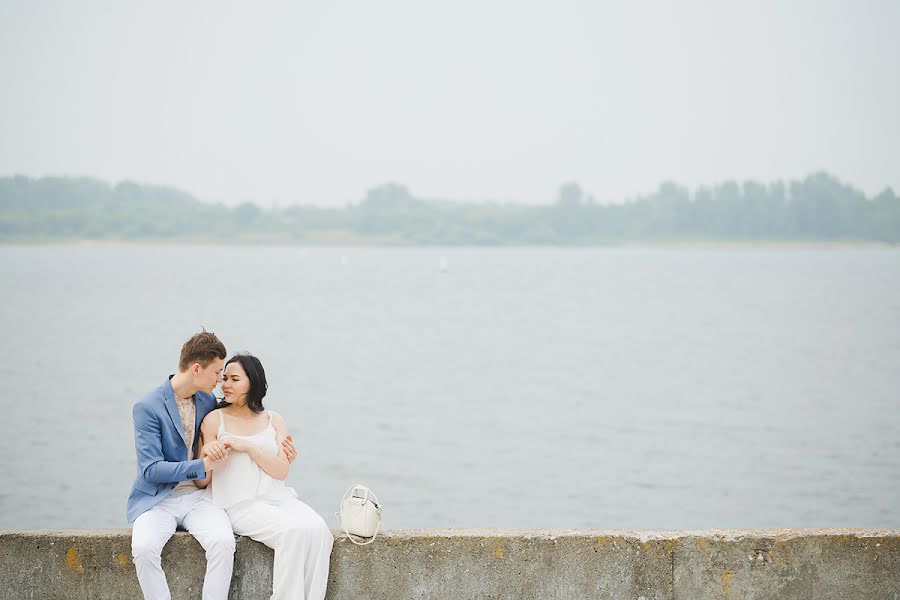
(340,513)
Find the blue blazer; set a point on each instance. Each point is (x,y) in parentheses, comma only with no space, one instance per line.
(160,443)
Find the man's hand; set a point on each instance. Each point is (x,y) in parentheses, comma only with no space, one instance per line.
(287,444)
(215,450)
(209,463)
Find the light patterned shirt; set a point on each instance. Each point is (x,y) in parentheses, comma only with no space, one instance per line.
(188,411)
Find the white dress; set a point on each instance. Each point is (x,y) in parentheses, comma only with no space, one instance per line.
(265,509)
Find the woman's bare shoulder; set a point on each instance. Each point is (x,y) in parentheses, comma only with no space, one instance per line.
(211,419)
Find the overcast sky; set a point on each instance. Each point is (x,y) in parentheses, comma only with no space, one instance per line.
(315,102)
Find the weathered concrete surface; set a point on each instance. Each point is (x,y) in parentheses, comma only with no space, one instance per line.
(507,564)
(788,564)
(490,564)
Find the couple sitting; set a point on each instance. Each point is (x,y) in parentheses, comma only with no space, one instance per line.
(216,470)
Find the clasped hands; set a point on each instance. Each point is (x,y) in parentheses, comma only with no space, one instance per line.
(217,450)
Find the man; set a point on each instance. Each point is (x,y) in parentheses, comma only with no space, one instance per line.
(163,496)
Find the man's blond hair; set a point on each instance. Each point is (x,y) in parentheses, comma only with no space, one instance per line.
(203,348)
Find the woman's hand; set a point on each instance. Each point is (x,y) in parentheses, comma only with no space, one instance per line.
(215,450)
(290,451)
(237,444)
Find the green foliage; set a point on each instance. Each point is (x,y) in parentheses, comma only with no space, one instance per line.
(819,207)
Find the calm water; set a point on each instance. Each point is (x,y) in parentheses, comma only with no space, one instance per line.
(652,388)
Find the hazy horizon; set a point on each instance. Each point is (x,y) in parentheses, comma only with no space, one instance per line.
(643,194)
(489,101)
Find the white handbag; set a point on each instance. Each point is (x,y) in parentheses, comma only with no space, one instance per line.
(360,514)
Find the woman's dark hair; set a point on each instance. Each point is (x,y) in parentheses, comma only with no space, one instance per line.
(257,377)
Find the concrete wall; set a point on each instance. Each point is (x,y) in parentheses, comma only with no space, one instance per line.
(811,564)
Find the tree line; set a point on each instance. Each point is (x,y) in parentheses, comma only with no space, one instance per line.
(817,208)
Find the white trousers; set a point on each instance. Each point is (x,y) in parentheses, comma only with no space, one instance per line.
(300,538)
(208,523)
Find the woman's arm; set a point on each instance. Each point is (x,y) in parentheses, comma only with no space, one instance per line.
(213,449)
(276,465)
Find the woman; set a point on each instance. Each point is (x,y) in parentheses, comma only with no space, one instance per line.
(250,485)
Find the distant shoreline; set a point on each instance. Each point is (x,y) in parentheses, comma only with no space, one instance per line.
(351,241)
(817,211)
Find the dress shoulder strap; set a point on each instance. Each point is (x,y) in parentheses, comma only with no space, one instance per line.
(221,423)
